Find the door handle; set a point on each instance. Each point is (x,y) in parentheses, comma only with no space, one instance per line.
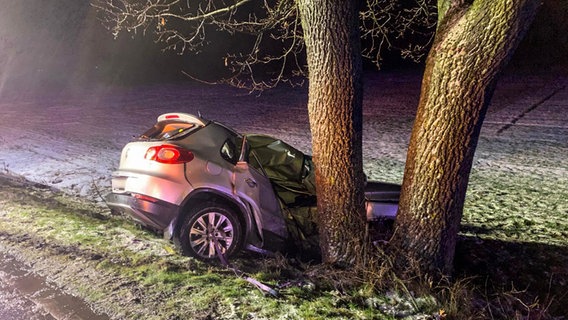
(250,182)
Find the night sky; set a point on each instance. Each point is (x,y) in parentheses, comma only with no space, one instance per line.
(61,43)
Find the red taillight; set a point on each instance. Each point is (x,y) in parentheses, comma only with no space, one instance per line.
(172,116)
(169,154)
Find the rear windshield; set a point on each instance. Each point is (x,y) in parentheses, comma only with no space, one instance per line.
(167,130)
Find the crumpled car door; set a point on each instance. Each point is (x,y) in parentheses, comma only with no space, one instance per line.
(255,188)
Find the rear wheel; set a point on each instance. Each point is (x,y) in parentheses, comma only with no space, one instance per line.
(208,226)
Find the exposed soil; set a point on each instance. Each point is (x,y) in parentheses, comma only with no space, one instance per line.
(26,295)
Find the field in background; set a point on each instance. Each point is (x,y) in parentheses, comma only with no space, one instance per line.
(515,224)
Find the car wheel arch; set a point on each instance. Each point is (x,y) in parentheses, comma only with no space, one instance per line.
(211,195)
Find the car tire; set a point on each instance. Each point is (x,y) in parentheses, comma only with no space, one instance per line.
(204,222)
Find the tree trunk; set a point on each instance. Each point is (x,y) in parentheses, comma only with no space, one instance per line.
(331,36)
(473,43)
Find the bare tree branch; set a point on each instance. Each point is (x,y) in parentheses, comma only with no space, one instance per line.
(275,35)
(387,24)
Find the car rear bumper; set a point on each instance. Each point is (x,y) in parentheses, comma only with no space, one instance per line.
(381,210)
(381,200)
(150,212)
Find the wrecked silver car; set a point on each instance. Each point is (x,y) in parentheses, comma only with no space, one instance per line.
(212,189)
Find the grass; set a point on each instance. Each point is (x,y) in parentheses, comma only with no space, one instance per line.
(514,235)
(517,206)
(511,260)
(130,273)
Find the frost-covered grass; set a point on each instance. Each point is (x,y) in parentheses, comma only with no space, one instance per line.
(518,206)
(512,251)
(515,224)
(129,273)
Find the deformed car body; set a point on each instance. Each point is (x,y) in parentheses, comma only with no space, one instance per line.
(210,188)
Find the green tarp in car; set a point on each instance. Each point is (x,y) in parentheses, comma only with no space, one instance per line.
(292,175)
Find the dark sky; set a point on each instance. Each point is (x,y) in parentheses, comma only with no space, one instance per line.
(546,43)
(60,42)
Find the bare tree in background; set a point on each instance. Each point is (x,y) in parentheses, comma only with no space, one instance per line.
(323,33)
(271,29)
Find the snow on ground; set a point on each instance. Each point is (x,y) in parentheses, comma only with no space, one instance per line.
(72,139)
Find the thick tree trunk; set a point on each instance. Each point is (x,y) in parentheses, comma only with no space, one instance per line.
(333,50)
(474,41)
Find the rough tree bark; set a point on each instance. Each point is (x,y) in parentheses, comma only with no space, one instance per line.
(473,43)
(331,36)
